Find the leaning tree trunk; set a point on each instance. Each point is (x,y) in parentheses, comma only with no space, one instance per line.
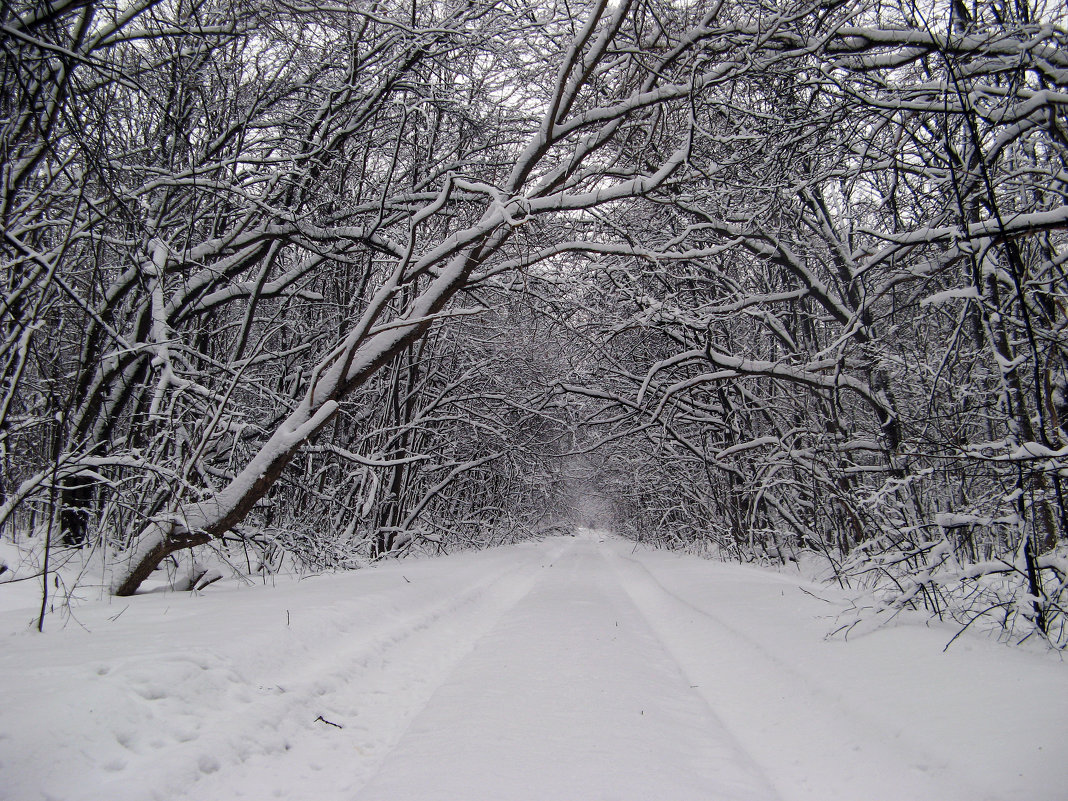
(346,368)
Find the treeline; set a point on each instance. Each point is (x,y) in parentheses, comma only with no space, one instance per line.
(334,279)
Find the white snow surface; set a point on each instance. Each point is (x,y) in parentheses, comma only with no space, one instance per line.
(580,668)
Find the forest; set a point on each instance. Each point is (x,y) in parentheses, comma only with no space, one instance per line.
(327,282)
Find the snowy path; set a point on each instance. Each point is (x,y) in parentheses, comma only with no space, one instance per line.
(571,695)
(569,669)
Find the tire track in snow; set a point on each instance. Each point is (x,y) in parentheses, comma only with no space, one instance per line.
(569,696)
(811,745)
(180,717)
(368,693)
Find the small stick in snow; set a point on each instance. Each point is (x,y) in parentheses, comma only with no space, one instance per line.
(328,722)
(806,592)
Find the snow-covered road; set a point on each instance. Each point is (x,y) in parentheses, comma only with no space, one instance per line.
(570,695)
(574,668)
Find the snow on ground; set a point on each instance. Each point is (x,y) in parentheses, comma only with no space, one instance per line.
(574,668)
